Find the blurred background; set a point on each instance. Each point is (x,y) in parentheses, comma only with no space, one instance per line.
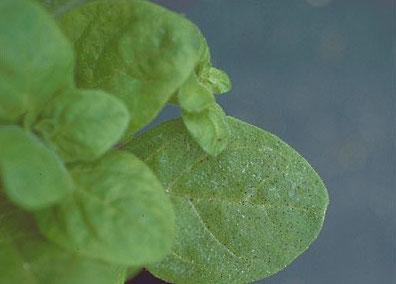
(320,74)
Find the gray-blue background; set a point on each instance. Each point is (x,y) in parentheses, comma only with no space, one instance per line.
(319,74)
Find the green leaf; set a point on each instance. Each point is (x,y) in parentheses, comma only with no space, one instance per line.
(241,216)
(132,272)
(194,96)
(121,48)
(36,61)
(209,128)
(215,80)
(27,258)
(32,175)
(59,7)
(83,125)
(119,213)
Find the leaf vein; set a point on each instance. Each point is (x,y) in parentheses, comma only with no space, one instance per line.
(210,232)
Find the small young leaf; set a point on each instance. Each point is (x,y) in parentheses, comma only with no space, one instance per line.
(27,258)
(32,175)
(36,61)
(194,96)
(136,50)
(83,125)
(216,80)
(209,128)
(119,213)
(241,216)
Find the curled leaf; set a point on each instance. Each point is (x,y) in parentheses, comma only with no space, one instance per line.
(119,213)
(83,125)
(136,50)
(241,216)
(209,128)
(36,61)
(27,258)
(32,175)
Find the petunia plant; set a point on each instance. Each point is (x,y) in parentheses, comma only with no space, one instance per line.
(205,198)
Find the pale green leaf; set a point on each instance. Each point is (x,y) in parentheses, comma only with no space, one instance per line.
(27,258)
(83,125)
(241,216)
(32,175)
(136,50)
(216,80)
(194,96)
(119,213)
(36,61)
(209,128)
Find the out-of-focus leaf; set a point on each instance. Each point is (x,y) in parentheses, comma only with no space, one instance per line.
(136,50)
(119,213)
(36,61)
(32,175)
(27,258)
(59,7)
(241,216)
(83,125)
(132,272)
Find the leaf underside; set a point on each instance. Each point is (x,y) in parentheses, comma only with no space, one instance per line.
(241,216)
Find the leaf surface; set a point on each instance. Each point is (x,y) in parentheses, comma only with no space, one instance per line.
(27,258)
(32,174)
(194,96)
(36,61)
(83,125)
(119,213)
(209,128)
(136,50)
(59,7)
(241,216)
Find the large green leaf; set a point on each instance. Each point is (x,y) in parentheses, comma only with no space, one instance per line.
(136,50)
(32,175)
(241,216)
(36,61)
(119,213)
(83,125)
(27,258)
